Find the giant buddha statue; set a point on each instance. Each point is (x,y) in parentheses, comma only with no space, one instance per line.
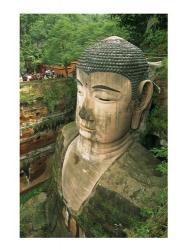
(103,166)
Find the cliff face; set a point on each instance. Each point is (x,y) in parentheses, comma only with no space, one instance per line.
(128,187)
(158,74)
(45,106)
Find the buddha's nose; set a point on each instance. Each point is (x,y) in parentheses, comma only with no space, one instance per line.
(86,114)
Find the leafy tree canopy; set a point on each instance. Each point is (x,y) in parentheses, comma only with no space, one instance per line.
(147,31)
(60,39)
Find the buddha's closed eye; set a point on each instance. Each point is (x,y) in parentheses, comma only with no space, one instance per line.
(102,99)
(106,94)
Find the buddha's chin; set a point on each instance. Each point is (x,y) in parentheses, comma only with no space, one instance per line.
(86,133)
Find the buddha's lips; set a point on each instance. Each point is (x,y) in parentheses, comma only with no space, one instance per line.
(86,128)
(87,125)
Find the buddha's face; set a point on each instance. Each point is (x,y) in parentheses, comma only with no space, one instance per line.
(104,106)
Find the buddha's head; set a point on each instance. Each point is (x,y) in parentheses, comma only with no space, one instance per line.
(113,90)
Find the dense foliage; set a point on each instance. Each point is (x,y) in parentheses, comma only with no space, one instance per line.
(59,39)
(157,120)
(147,31)
(154,220)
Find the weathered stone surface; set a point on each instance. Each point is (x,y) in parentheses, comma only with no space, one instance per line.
(23,180)
(153,66)
(129,185)
(37,167)
(38,126)
(104,211)
(69,132)
(115,54)
(81,233)
(26,133)
(60,231)
(104,119)
(38,153)
(133,176)
(66,135)
(26,185)
(32,114)
(163,95)
(121,192)
(54,215)
(32,220)
(38,130)
(104,176)
(42,197)
(65,214)
(73,226)
(37,141)
(126,184)
(34,167)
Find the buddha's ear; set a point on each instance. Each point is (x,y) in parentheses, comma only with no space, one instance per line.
(145,92)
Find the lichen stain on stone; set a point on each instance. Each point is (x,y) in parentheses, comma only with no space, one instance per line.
(76,158)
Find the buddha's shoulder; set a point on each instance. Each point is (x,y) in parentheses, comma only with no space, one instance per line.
(133,173)
(67,133)
(137,162)
(138,158)
(64,138)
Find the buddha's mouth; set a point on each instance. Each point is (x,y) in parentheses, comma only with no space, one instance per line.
(86,128)
(87,125)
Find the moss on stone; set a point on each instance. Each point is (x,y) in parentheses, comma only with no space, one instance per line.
(106,214)
(153,222)
(35,191)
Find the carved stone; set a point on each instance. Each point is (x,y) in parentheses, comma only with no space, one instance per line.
(104,169)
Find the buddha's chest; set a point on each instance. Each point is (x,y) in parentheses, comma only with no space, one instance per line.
(79,177)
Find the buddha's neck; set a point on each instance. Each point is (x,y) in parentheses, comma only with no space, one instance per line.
(95,151)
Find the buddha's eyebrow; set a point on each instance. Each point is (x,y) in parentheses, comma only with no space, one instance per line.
(79,82)
(104,87)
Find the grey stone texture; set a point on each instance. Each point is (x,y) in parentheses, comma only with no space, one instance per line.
(115,54)
(129,185)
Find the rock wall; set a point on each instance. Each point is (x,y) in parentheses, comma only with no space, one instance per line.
(111,211)
(45,106)
(161,86)
(42,113)
(99,217)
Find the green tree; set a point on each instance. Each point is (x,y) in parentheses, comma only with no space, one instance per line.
(60,39)
(34,30)
(147,31)
(72,33)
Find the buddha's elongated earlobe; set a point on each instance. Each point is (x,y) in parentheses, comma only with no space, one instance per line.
(145,92)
